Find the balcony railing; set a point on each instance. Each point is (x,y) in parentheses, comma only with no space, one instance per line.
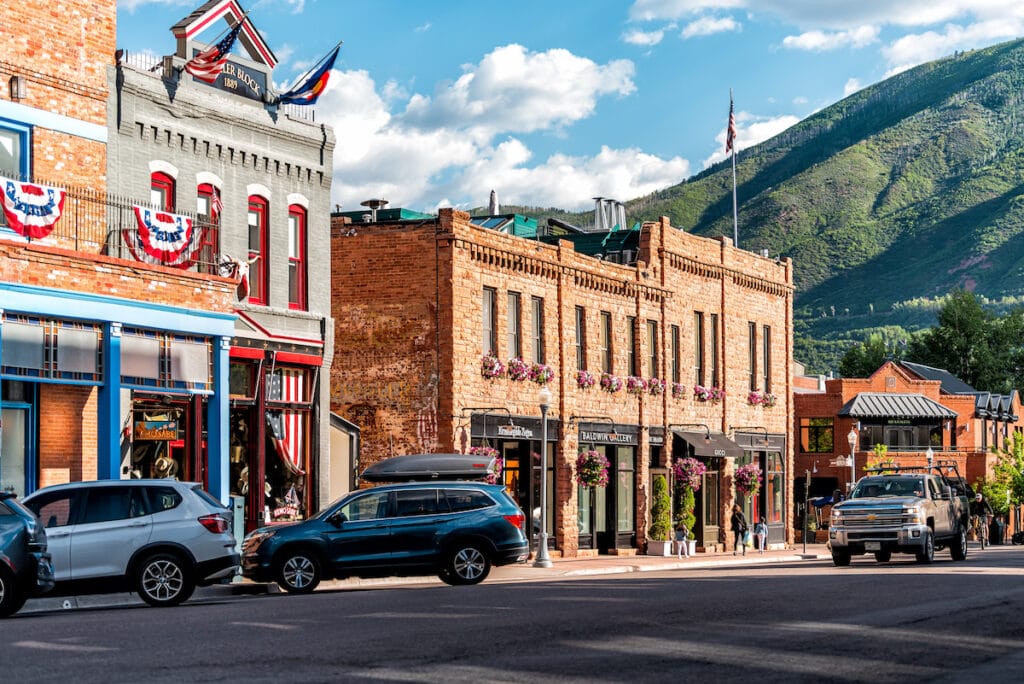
(94,222)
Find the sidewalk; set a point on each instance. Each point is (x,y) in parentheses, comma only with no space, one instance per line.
(522,572)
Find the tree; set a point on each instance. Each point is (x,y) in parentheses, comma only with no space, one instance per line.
(1007,477)
(960,342)
(861,360)
(661,511)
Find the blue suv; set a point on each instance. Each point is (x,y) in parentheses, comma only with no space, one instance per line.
(26,569)
(457,530)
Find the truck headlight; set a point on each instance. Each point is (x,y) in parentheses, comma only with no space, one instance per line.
(914,515)
(837,517)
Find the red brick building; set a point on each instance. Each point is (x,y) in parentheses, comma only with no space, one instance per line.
(420,302)
(914,412)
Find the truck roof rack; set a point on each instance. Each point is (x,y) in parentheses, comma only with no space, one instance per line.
(944,468)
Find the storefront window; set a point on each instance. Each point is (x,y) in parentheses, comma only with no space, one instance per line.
(625,489)
(816,436)
(242,380)
(773,487)
(287,419)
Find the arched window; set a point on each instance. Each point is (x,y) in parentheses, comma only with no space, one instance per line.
(259,210)
(208,209)
(297,257)
(161,191)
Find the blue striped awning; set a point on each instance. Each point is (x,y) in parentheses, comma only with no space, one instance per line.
(894,405)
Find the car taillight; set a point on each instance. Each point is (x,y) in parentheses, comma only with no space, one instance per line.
(214,523)
(516,520)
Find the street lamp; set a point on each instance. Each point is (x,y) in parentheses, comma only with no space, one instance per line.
(542,560)
(852,439)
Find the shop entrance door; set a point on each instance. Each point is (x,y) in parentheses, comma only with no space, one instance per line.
(707,509)
(14,450)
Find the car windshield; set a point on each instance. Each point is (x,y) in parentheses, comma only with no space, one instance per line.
(891,486)
(19,508)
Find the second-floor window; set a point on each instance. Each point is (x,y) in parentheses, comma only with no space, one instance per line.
(537,329)
(515,333)
(15,153)
(816,436)
(766,357)
(258,256)
(581,338)
(208,208)
(714,351)
(652,349)
(606,342)
(752,354)
(698,348)
(489,320)
(161,191)
(675,342)
(631,350)
(297,290)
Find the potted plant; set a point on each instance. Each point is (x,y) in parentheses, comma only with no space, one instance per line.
(660,534)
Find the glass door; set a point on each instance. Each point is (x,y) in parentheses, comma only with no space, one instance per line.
(14,451)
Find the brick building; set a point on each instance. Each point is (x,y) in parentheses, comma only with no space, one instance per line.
(420,302)
(915,412)
(81,326)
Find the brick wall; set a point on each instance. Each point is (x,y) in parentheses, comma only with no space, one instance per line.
(67,445)
(408,304)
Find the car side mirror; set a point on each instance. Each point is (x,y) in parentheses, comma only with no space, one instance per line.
(337,519)
(947,493)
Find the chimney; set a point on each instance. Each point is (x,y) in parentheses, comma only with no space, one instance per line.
(599,215)
(492,208)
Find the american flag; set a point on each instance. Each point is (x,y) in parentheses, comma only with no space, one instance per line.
(287,427)
(207,65)
(215,202)
(730,133)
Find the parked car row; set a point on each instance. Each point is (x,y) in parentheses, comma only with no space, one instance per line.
(163,538)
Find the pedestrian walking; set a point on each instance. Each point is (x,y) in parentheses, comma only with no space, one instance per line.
(761,535)
(682,540)
(738,523)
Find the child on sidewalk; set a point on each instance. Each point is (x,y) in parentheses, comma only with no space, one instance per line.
(761,535)
(682,540)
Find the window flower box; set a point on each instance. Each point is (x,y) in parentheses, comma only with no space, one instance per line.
(678,390)
(635,385)
(585,379)
(491,367)
(518,369)
(610,383)
(712,394)
(656,386)
(540,373)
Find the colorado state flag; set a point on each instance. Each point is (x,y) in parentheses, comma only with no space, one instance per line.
(310,89)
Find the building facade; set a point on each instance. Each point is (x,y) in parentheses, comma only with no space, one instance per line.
(82,327)
(426,307)
(258,177)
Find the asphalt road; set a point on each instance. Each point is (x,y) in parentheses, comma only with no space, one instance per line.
(792,622)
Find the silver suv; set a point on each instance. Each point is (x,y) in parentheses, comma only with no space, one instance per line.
(160,538)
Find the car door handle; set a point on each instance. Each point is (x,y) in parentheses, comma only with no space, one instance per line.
(56,534)
(140,523)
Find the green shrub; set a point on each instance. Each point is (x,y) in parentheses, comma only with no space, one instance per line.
(661,511)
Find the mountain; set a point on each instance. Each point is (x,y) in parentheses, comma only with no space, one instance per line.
(886,201)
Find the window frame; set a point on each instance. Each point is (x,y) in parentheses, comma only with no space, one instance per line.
(715,364)
(752,355)
(652,349)
(514,326)
(607,350)
(488,321)
(581,338)
(258,257)
(766,354)
(698,348)
(676,348)
(298,231)
(166,185)
(537,328)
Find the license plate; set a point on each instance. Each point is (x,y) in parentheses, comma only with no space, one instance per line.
(872,546)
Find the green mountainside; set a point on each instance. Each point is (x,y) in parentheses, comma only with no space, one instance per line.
(886,201)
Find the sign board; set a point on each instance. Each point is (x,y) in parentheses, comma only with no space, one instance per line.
(840,461)
(515,431)
(241,80)
(156,430)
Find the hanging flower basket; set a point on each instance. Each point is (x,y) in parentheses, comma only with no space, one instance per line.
(655,386)
(747,479)
(592,469)
(518,369)
(494,474)
(678,390)
(635,385)
(610,383)
(763,399)
(688,472)
(491,367)
(585,379)
(540,373)
(712,394)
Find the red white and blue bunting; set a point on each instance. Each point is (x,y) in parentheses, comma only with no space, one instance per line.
(164,238)
(31,210)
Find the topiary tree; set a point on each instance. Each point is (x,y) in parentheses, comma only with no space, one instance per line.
(661,511)
(687,502)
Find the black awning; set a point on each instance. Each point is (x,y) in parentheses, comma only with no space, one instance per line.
(429,467)
(894,405)
(713,444)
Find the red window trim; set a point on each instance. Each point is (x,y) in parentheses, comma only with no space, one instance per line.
(160,180)
(258,271)
(301,219)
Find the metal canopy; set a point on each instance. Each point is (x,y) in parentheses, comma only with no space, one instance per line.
(894,405)
(711,444)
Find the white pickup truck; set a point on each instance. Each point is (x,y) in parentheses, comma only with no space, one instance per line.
(903,512)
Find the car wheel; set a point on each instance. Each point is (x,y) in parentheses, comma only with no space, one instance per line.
(841,558)
(958,548)
(927,554)
(466,564)
(883,556)
(163,580)
(11,598)
(298,572)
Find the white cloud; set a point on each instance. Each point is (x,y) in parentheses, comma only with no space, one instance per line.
(514,90)
(852,86)
(820,40)
(750,130)
(914,49)
(447,146)
(645,38)
(423,28)
(799,100)
(706,26)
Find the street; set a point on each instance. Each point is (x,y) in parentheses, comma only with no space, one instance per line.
(786,621)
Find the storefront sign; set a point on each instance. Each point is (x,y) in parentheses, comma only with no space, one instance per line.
(241,80)
(156,430)
(515,431)
(608,437)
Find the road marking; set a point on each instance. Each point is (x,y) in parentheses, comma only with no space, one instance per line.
(265,625)
(44,646)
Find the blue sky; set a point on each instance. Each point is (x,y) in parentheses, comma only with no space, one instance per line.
(437,102)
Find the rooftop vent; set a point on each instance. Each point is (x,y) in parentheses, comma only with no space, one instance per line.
(609,215)
(374,205)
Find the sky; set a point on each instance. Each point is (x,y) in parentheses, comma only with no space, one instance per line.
(434,103)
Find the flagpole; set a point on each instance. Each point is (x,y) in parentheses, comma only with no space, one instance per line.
(735,212)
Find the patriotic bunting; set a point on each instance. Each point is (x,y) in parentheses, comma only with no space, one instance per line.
(163,238)
(31,210)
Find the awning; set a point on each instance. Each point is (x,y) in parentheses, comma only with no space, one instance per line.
(894,405)
(713,444)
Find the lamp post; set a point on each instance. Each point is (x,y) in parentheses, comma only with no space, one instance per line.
(852,439)
(542,560)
